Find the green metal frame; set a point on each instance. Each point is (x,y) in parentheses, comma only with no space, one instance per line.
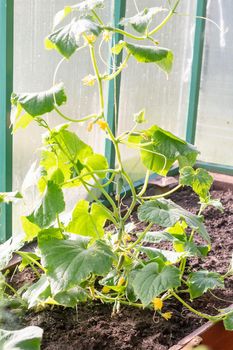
(216,168)
(199,38)
(113,92)
(6,84)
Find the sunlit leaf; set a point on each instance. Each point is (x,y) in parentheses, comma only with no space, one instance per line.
(88,220)
(60,15)
(160,149)
(200,180)
(51,204)
(31,230)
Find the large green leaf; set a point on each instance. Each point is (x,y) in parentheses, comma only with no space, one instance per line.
(200,180)
(66,39)
(71,144)
(166,213)
(51,204)
(28,338)
(36,104)
(88,220)
(160,149)
(161,56)
(154,279)
(84,6)
(201,281)
(141,21)
(69,262)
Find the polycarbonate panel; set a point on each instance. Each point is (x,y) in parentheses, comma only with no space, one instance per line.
(33,71)
(146,86)
(215,116)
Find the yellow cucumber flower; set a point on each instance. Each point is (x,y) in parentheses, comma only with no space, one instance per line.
(157,303)
(167,315)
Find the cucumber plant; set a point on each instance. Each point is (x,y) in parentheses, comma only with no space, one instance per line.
(82,260)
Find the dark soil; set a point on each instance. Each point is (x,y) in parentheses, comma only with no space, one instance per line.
(91,327)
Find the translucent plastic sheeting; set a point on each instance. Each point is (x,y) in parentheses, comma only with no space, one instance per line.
(33,71)
(215,116)
(144,85)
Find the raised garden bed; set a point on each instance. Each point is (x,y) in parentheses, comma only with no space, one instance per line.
(92,326)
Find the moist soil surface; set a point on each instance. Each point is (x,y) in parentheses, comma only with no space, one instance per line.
(92,327)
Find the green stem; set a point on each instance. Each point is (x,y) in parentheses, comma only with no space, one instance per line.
(123,302)
(140,238)
(119,70)
(200,314)
(14,291)
(163,194)
(98,77)
(97,17)
(134,195)
(74,120)
(143,190)
(124,33)
(166,19)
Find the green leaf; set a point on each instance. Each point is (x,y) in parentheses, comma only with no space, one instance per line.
(37,104)
(157,237)
(60,15)
(162,57)
(28,338)
(200,180)
(71,297)
(160,149)
(116,49)
(228,322)
(201,281)
(154,279)
(8,197)
(8,248)
(38,292)
(141,21)
(51,204)
(96,162)
(89,5)
(66,39)
(76,149)
(165,213)
(165,255)
(31,230)
(19,120)
(190,248)
(27,259)
(70,262)
(140,117)
(88,220)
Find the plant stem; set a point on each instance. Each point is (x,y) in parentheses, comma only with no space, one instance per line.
(140,238)
(143,190)
(97,17)
(166,19)
(163,194)
(124,33)
(208,317)
(119,70)
(98,77)
(74,120)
